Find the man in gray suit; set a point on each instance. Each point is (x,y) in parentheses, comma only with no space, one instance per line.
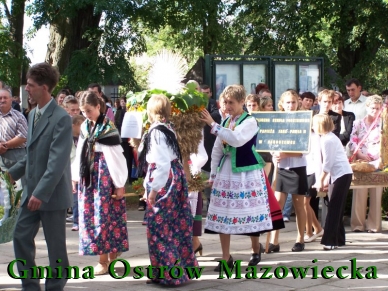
(47,193)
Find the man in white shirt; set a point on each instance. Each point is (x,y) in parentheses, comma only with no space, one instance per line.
(356,102)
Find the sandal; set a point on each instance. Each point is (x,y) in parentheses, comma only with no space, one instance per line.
(101,268)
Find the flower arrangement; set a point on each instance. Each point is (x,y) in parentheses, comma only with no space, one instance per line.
(12,194)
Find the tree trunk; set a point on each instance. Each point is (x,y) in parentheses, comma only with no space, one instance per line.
(16,21)
(209,28)
(67,36)
(349,57)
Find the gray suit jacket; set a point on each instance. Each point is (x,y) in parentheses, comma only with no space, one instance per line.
(46,165)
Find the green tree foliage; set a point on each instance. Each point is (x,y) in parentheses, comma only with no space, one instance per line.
(13,58)
(91,40)
(204,25)
(351,35)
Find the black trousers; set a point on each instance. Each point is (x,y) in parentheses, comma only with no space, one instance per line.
(334,234)
(314,203)
(128,154)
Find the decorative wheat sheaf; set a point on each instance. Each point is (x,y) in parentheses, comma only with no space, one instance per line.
(165,78)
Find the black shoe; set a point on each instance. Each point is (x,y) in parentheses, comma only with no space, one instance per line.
(199,249)
(298,247)
(142,205)
(152,281)
(273,248)
(229,262)
(255,259)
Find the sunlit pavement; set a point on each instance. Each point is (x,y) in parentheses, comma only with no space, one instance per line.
(369,250)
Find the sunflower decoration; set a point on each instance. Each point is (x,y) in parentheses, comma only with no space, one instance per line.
(165,78)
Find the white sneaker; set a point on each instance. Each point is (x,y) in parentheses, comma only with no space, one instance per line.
(286,219)
(69,219)
(329,248)
(308,239)
(319,234)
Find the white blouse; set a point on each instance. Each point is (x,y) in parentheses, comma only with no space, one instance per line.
(199,159)
(314,158)
(316,155)
(335,161)
(235,138)
(114,158)
(160,154)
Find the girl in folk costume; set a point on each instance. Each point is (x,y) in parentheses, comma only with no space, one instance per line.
(241,201)
(169,219)
(102,176)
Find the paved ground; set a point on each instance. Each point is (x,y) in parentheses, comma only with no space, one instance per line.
(368,249)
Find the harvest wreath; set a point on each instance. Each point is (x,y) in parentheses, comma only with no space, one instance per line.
(165,77)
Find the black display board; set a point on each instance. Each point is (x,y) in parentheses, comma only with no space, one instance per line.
(283,131)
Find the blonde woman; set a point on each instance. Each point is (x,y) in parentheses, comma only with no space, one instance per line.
(335,164)
(242,201)
(169,219)
(369,127)
(291,178)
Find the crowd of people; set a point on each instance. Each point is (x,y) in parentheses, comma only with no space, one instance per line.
(68,152)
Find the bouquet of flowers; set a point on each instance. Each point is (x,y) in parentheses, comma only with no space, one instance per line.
(12,194)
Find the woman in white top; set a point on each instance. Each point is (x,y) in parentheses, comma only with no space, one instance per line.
(335,163)
(291,178)
(242,201)
(313,169)
(197,160)
(366,138)
(169,219)
(101,171)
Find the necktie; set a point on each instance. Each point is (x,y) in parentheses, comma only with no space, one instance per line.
(37,117)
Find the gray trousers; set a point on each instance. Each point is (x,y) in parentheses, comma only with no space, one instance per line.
(54,228)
